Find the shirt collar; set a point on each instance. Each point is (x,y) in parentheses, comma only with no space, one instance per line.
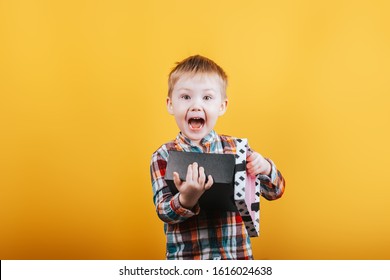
(211,137)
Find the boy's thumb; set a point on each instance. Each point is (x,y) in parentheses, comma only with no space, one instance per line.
(176,179)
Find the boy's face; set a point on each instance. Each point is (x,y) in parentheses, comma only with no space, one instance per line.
(197,102)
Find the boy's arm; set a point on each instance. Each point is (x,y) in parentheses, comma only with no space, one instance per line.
(272,186)
(168,207)
(272,183)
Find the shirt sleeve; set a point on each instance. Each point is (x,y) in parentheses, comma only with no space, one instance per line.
(271,186)
(168,207)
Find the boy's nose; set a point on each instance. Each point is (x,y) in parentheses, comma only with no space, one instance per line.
(196,106)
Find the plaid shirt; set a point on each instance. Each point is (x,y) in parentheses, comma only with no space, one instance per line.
(197,234)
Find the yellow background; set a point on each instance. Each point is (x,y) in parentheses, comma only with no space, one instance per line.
(82,108)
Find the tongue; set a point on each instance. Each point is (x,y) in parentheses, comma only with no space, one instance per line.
(196,123)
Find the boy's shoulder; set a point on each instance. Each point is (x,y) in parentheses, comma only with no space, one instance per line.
(232,141)
(164,149)
(227,138)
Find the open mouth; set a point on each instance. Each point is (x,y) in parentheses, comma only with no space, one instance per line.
(196,123)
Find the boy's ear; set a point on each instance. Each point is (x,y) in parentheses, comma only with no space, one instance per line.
(223,107)
(169,105)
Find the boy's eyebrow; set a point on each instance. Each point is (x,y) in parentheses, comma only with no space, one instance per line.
(206,89)
(209,89)
(183,88)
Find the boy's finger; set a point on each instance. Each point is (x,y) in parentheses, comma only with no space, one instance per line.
(251,172)
(254,163)
(209,182)
(189,173)
(253,169)
(202,176)
(195,173)
(256,160)
(176,179)
(251,157)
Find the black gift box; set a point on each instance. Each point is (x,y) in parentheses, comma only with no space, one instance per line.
(220,166)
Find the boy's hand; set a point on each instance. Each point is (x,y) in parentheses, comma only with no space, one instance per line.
(256,164)
(194,186)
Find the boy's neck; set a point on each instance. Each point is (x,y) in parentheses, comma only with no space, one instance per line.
(197,144)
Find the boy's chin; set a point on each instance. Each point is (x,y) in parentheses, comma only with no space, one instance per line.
(194,139)
(197,137)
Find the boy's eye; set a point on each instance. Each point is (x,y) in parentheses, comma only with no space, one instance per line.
(185,97)
(207,97)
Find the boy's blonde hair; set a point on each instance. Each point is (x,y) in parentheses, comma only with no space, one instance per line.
(193,65)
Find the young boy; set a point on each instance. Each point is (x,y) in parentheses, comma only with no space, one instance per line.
(196,98)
